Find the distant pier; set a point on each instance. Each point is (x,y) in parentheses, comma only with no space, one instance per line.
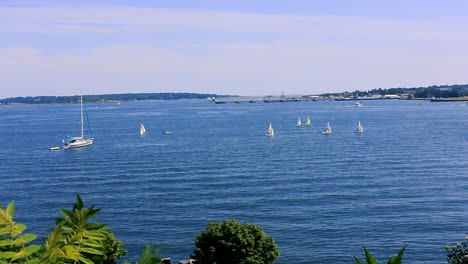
(252,100)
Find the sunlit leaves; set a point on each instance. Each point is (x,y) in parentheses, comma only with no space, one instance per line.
(13,242)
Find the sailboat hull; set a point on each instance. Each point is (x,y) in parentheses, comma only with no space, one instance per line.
(78,143)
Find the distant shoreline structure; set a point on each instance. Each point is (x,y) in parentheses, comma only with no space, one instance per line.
(442,93)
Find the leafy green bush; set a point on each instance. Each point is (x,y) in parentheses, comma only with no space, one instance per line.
(13,242)
(232,242)
(75,240)
(371,260)
(457,254)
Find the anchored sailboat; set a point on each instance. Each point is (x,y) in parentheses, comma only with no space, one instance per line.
(327,129)
(142,129)
(81,141)
(359,128)
(308,123)
(270,131)
(299,123)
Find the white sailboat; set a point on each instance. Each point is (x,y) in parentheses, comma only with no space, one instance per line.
(270,131)
(357,104)
(308,123)
(327,129)
(299,123)
(142,130)
(81,141)
(359,128)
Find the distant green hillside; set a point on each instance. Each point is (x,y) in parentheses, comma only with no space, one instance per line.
(438,91)
(104,98)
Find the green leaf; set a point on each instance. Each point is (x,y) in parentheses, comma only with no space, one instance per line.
(7,254)
(397,259)
(91,251)
(28,237)
(18,229)
(19,255)
(85,260)
(95,236)
(11,209)
(369,258)
(67,214)
(78,204)
(31,249)
(91,243)
(357,260)
(71,252)
(5,230)
(34,261)
(6,242)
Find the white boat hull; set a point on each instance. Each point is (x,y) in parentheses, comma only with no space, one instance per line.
(79,143)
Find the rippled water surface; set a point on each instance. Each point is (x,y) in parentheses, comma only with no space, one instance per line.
(322,197)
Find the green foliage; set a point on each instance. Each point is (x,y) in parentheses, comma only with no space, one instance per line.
(371,260)
(148,256)
(232,242)
(14,246)
(74,240)
(457,254)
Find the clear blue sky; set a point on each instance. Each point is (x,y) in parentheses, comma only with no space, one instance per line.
(255,47)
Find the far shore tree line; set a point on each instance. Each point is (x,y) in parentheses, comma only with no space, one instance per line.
(437,91)
(75,239)
(103,98)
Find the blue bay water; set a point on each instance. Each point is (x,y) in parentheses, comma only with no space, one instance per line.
(322,197)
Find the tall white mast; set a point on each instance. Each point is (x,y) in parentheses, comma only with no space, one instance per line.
(82,119)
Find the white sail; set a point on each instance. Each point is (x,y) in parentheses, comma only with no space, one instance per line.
(327,129)
(359,128)
(142,129)
(270,131)
(308,123)
(299,123)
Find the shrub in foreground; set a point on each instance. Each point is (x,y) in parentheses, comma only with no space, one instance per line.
(73,240)
(230,242)
(457,254)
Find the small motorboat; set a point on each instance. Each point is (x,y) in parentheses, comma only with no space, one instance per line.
(166,132)
(54,148)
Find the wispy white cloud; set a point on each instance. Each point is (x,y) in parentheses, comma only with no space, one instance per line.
(308,54)
(139,20)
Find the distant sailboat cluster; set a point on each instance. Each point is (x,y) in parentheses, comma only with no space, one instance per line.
(327,130)
(82,141)
(299,122)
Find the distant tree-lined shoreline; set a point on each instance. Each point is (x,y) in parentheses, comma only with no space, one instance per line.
(437,91)
(104,98)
